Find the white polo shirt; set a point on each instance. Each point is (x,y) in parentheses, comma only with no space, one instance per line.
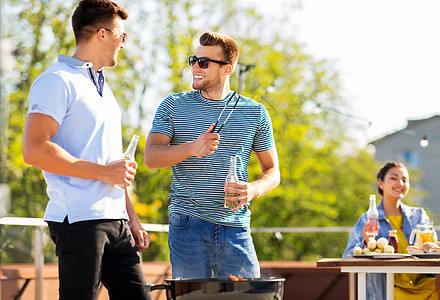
(90,129)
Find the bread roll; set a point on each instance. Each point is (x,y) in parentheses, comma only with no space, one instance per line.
(435,250)
(427,246)
(414,250)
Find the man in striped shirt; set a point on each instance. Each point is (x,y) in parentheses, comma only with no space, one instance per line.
(204,237)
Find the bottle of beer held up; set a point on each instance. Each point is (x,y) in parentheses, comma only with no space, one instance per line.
(129,154)
(232,177)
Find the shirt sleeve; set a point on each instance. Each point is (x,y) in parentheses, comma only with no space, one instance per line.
(263,139)
(49,95)
(163,119)
(356,238)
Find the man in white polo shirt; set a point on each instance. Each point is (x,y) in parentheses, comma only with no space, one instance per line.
(73,134)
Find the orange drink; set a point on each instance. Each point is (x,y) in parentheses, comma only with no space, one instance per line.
(423,237)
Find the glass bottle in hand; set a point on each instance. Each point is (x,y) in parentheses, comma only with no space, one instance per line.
(129,154)
(372,218)
(232,177)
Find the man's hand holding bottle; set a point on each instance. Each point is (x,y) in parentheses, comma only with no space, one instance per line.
(120,172)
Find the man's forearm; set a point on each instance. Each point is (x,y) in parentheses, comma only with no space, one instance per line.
(165,156)
(266,182)
(52,158)
(41,152)
(133,218)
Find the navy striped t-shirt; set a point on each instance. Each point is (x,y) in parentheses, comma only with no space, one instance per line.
(198,183)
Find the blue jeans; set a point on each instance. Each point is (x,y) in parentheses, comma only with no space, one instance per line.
(199,248)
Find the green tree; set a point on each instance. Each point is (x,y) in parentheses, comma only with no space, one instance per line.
(39,30)
(323,183)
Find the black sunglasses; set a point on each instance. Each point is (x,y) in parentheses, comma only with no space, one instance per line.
(203,61)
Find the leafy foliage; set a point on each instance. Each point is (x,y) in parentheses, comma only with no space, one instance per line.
(325,179)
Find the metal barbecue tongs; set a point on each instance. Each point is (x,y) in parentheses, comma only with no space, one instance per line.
(218,119)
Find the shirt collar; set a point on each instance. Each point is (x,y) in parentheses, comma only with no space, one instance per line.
(404,208)
(381,211)
(76,62)
(97,79)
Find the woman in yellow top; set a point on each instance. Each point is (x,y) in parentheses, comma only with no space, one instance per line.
(393,186)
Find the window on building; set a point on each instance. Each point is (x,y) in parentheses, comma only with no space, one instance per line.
(408,157)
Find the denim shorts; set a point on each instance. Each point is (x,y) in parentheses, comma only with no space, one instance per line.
(200,249)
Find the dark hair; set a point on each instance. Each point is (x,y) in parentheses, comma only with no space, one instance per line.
(94,13)
(384,170)
(229,46)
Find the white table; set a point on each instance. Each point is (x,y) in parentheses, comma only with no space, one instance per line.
(362,266)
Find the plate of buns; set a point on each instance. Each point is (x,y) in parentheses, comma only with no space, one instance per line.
(427,250)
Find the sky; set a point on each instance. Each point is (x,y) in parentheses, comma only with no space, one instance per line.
(387,53)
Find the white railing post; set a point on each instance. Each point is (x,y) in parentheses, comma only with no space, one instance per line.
(39,262)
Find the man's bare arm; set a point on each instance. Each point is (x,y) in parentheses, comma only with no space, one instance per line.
(267,181)
(159,153)
(270,172)
(42,153)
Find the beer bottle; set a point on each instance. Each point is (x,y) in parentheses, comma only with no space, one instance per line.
(129,154)
(232,177)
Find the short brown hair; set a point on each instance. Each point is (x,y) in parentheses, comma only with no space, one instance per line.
(229,46)
(384,170)
(94,13)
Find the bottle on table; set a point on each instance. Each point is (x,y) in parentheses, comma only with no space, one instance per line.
(129,154)
(373,218)
(232,177)
(392,240)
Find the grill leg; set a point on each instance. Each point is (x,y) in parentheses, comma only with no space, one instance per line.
(17,297)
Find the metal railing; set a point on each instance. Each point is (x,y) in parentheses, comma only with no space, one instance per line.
(40,225)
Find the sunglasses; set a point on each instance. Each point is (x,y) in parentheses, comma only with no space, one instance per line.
(123,35)
(203,61)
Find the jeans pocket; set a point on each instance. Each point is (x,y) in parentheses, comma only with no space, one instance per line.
(179,221)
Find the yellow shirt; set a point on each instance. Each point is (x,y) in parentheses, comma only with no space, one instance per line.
(410,286)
